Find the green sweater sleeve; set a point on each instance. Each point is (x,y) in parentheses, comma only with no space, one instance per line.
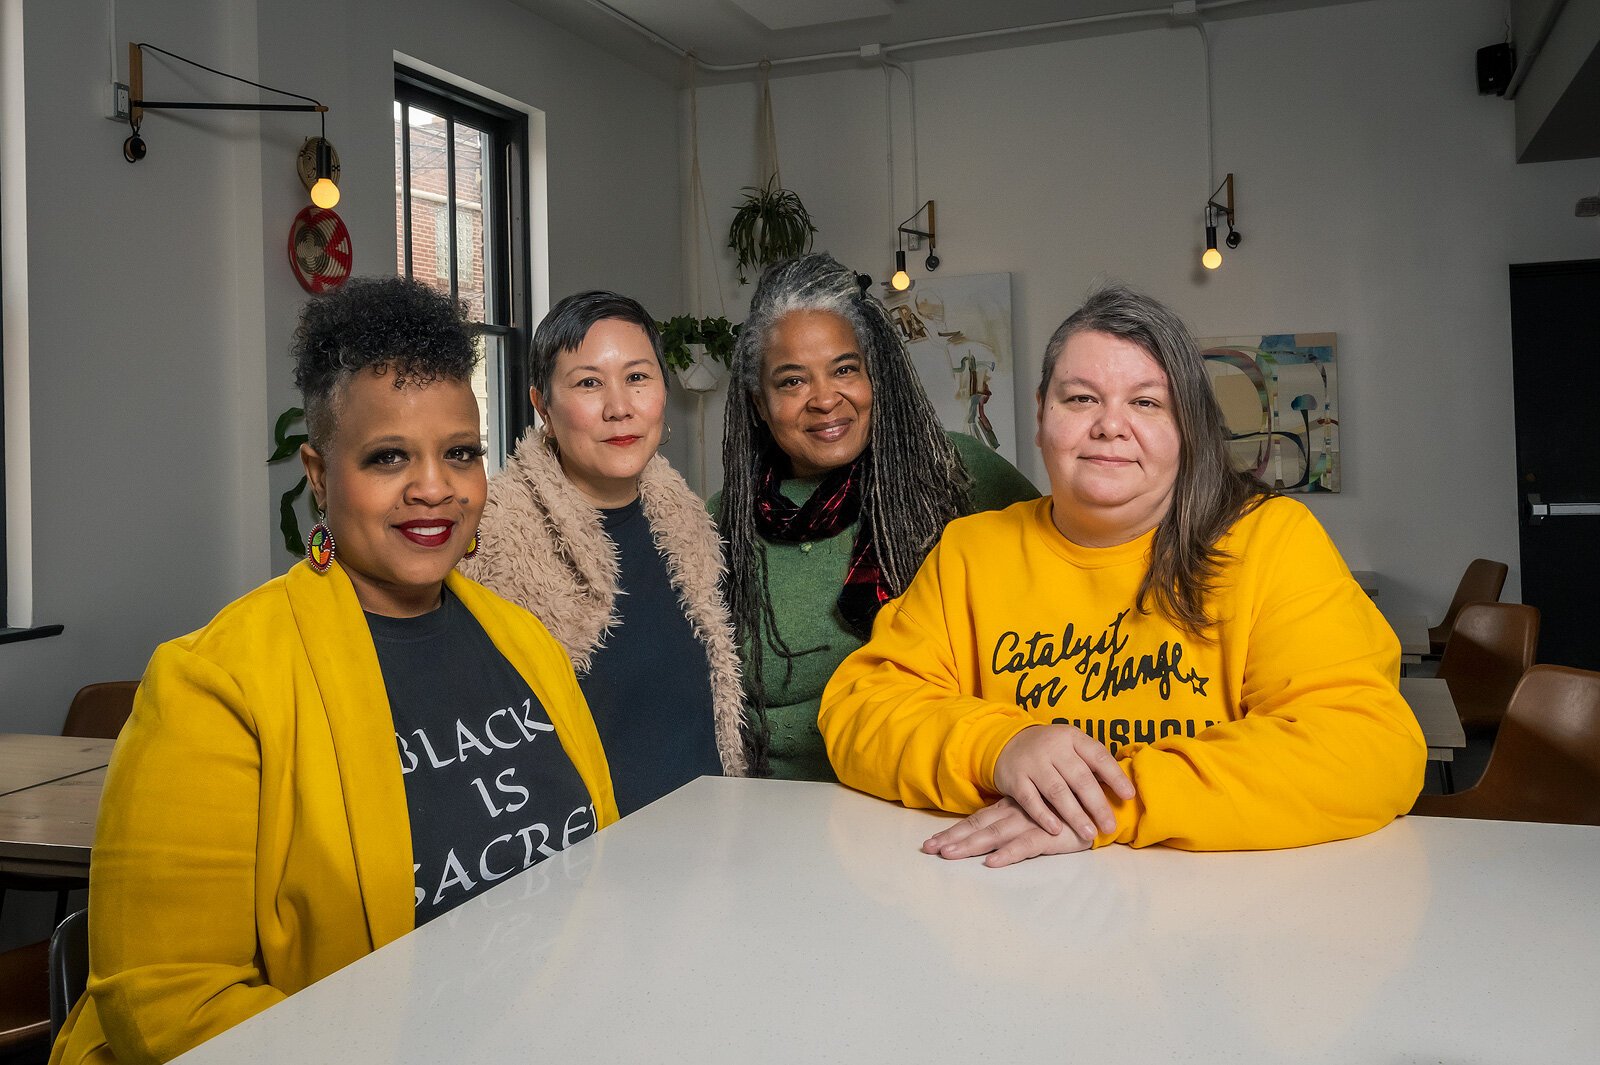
(996,484)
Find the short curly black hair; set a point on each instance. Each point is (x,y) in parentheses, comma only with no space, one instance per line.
(391,324)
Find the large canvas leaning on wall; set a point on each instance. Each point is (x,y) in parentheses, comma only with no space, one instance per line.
(958,330)
(1280,396)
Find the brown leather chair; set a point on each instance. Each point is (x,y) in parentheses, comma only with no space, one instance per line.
(1481,583)
(1546,760)
(1490,648)
(98,711)
(25,1002)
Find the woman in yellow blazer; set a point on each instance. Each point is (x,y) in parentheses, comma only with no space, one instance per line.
(350,749)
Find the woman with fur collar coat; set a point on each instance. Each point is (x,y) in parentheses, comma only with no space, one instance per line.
(603,541)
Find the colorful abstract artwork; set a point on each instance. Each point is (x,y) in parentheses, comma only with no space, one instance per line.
(1280,397)
(958,330)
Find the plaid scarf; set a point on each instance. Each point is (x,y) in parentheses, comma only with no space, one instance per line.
(833,506)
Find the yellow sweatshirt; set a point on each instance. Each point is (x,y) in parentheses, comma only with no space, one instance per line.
(1284,727)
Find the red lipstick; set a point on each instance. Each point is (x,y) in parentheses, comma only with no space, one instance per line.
(427,532)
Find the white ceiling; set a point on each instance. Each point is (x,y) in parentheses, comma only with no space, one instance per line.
(742,32)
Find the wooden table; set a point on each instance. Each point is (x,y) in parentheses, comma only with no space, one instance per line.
(49,802)
(772,921)
(1412,630)
(1430,700)
(26,761)
(1368,580)
(49,830)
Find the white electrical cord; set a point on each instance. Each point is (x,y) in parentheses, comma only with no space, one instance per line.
(1211,133)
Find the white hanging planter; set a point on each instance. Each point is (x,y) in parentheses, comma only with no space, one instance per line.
(704,375)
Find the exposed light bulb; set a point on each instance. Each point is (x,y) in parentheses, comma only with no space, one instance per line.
(901,280)
(325,193)
(1212,258)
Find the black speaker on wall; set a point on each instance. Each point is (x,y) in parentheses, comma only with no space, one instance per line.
(1495,64)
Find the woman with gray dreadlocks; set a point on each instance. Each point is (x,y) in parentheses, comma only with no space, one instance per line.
(837,481)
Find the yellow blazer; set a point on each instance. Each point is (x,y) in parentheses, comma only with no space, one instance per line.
(254,834)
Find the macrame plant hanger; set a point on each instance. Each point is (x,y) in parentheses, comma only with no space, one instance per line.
(699,222)
(767,160)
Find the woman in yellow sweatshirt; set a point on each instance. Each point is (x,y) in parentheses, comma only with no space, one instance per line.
(1160,651)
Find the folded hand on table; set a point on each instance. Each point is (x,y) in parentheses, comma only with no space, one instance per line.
(1054,779)
(1059,775)
(1006,834)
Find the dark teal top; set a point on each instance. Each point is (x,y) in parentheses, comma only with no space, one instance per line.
(649,681)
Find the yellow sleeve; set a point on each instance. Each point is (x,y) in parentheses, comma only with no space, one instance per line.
(898,719)
(1325,747)
(172,929)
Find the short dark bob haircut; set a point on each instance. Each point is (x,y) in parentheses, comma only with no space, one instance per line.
(569,322)
(389,324)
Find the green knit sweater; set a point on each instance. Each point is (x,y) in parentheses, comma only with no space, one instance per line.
(805,580)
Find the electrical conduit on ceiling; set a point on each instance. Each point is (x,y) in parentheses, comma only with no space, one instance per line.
(956,38)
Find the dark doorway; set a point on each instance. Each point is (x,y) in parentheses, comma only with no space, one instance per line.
(1555,344)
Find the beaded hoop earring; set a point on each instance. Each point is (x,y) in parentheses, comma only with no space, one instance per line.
(474,544)
(319,545)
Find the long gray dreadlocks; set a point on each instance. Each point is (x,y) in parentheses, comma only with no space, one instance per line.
(914,481)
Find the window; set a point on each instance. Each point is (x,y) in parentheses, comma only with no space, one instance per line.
(461,210)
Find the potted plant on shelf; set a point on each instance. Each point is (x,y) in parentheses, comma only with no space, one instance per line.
(699,350)
(770,224)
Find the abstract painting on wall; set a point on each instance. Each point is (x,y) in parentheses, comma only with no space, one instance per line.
(958,330)
(1280,397)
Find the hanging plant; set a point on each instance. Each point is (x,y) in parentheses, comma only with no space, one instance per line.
(677,334)
(770,224)
(699,350)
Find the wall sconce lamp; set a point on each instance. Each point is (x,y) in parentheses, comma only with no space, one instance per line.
(324,167)
(1211,258)
(901,280)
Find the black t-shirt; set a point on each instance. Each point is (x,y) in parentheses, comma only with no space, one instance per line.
(489,788)
(649,683)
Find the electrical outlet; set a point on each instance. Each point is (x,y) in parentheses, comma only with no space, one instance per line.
(913,242)
(121,108)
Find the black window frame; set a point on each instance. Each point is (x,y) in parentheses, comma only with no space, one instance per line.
(506,173)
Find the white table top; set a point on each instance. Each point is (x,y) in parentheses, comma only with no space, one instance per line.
(768,921)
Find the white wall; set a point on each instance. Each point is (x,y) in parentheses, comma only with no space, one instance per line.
(1377,194)
(161,301)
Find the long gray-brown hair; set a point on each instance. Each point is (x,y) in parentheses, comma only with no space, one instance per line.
(1209,495)
(913,481)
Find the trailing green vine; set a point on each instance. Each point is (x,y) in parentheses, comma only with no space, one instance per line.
(287,445)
